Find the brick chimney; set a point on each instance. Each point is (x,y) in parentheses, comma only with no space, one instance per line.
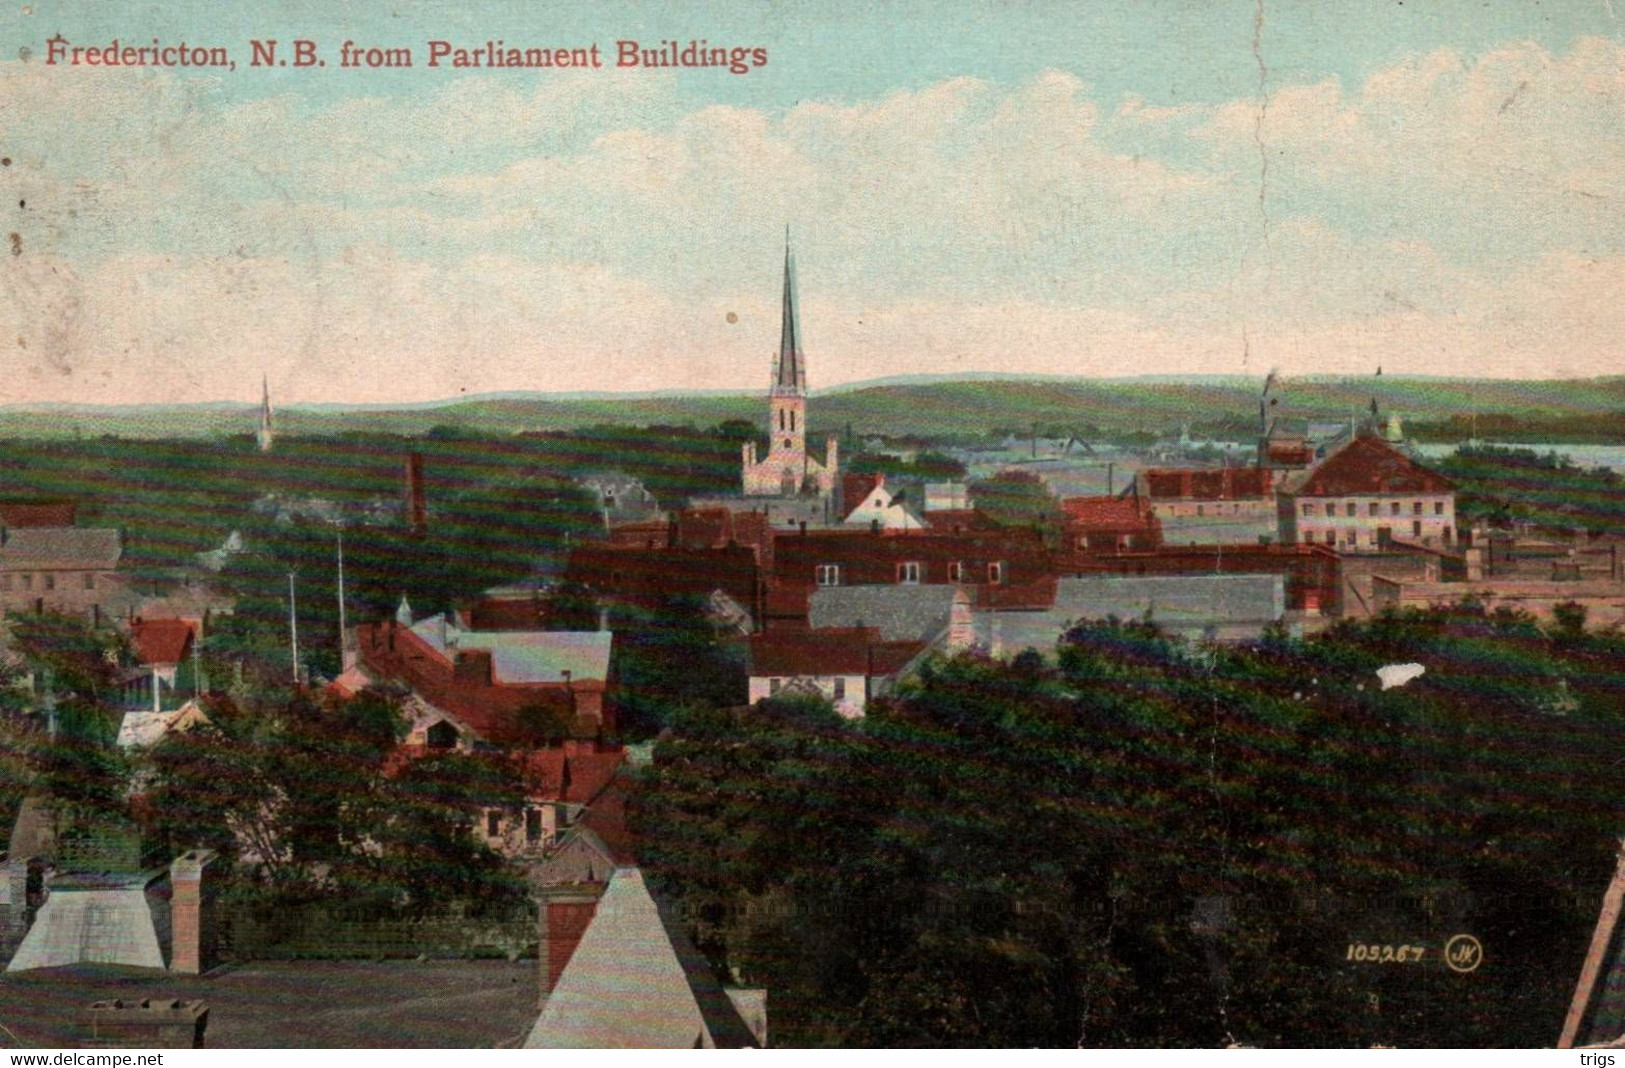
(191,912)
(416,508)
(473,667)
(566,912)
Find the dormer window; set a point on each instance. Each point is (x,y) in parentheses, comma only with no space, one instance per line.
(908,573)
(995,572)
(828,574)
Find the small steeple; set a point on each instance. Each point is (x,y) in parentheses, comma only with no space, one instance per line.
(790,372)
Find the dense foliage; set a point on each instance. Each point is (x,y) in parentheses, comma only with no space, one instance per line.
(1500,485)
(1141,842)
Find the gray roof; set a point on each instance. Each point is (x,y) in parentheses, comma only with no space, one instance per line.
(525,656)
(62,547)
(902,613)
(1223,607)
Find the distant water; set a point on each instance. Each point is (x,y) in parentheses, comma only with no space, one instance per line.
(1609,456)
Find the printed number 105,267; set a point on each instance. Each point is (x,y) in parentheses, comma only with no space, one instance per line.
(1386,954)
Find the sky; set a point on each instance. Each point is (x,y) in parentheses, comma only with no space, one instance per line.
(1050,187)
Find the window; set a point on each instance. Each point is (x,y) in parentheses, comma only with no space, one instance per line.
(956,570)
(1331,537)
(1416,528)
(28,582)
(50,580)
(1416,508)
(1438,508)
(493,823)
(840,689)
(1393,508)
(995,572)
(5,582)
(792,420)
(1308,509)
(1349,509)
(533,824)
(773,685)
(442,736)
(90,581)
(1375,509)
(908,573)
(1446,534)
(829,574)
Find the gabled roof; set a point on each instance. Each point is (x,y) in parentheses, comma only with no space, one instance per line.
(828,652)
(1369,465)
(560,774)
(161,641)
(87,548)
(634,983)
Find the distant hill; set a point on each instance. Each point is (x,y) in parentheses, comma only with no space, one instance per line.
(967,406)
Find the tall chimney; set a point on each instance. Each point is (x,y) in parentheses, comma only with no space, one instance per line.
(416,508)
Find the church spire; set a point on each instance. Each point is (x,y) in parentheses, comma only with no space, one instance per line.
(792,372)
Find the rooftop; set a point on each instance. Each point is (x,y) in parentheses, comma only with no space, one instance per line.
(62,547)
(294,1004)
(519,657)
(1365,466)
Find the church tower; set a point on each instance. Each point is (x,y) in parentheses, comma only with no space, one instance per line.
(787,470)
(787,404)
(265,436)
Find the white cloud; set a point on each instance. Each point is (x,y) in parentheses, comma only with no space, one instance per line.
(1448,214)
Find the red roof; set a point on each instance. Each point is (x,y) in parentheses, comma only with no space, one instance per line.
(569,774)
(1105,513)
(161,641)
(1205,483)
(955,519)
(855,489)
(1367,466)
(606,817)
(561,773)
(828,651)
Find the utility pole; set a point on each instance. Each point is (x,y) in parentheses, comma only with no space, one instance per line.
(293,626)
(197,667)
(343,624)
(49,701)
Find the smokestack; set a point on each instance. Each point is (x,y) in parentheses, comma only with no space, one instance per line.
(416,508)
